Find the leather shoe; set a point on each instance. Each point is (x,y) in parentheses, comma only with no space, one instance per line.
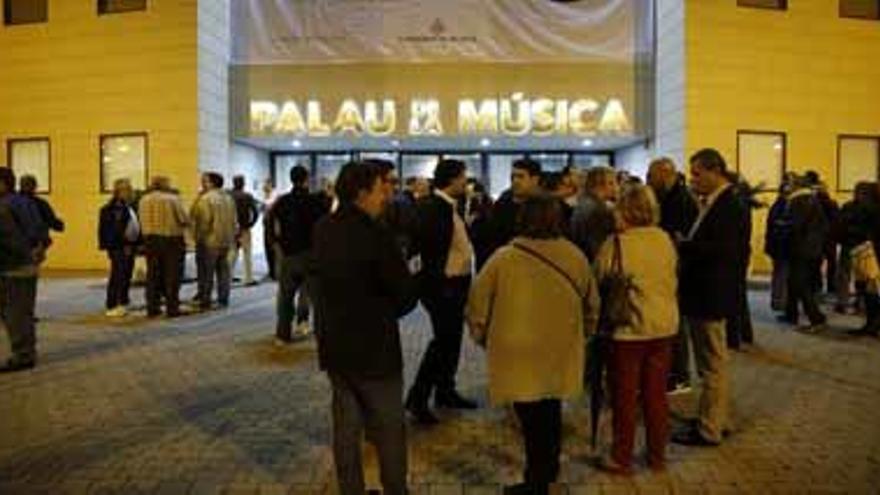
(693,438)
(13,366)
(453,400)
(420,412)
(526,489)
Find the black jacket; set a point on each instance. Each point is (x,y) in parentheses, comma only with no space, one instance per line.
(401,216)
(777,236)
(246,209)
(360,287)
(292,219)
(710,270)
(500,228)
(47,213)
(434,235)
(678,210)
(591,224)
(809,226)
(112,224)
(15,251)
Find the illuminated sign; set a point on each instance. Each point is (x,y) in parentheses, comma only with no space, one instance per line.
(514,116)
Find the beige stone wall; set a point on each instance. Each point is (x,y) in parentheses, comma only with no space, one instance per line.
(81,75)
(804,71)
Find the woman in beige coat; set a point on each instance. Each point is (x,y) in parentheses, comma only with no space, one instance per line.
(531,307)
(641,349)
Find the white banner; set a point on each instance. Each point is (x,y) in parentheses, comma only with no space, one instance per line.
(427,31)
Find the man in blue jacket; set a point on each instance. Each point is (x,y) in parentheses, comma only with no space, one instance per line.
(23,242)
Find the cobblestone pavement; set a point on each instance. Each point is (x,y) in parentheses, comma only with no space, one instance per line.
(206,404)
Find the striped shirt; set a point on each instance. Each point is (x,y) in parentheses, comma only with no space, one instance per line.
(162,214)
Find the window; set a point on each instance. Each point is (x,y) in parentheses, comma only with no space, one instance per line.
(760,158)
(858,159)
(123,156)
(120,6)
(764,4)
(25,12)
(860,9)
(31,156)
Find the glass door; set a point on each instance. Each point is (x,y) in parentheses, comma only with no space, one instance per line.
(500,165)
(551,162)
(283,164)
(420,165)
(327,167)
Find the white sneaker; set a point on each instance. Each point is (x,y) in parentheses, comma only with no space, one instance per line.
(303,330)
(117,312)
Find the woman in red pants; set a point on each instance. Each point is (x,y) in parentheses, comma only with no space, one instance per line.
(644,256)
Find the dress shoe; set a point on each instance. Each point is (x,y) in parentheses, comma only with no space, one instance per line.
(526,489)
(12,366)
(693,438)
(420,412)
(453,400)
(422,415)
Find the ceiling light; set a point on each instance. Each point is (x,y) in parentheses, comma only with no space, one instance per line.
(296,143)
(485,142)
(395,143)
(587,143)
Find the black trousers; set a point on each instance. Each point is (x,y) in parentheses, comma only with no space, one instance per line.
(374,405)
(872,307)
(541,424)
(18,298)
(802,290)
(164,256)
(739,324)
(269,251)
(445,301)
(121,267)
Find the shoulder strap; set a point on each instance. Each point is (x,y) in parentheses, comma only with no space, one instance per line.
(617,262)
(552,265)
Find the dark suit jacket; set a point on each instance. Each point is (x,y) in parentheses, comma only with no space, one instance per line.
(434,236)
(810,227)
(15,251)
(360,287)
(709,260)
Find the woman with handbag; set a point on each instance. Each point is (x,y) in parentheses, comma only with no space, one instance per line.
(636,270)
(532,306)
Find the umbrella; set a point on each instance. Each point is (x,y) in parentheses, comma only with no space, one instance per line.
(597,353)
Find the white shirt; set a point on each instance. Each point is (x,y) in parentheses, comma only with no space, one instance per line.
(706,207)
(460,261)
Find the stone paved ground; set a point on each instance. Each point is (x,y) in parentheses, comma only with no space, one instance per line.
(206,404)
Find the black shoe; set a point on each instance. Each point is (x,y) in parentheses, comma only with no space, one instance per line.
(526,489)
(787,320)
(453,400)
(692,437)
(420,413)
(12,366)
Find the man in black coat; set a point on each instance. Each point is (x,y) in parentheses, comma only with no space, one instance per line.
(447,264)
(118,234)
(708,289)
(361,287)
(678,211)
(525,181)
(809,232)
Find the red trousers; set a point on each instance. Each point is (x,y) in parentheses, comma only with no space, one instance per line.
(640,367)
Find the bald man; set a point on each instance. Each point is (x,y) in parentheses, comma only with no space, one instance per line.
(678,211)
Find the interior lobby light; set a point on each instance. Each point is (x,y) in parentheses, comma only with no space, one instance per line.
(485,142)
(587,143)
(296,143)
(395,143)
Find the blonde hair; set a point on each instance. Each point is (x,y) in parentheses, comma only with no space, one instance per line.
(637,206)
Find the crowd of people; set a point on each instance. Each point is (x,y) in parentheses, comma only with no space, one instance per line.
(566,273)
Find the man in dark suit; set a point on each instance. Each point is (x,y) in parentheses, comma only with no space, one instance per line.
(708,289)
(361,287)
(809,233)
(525,181)
(678,211)
(447,261)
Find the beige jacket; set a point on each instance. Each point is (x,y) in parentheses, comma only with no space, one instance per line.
(215,219)
(532,322)
(649,257)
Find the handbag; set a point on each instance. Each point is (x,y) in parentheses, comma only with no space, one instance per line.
(865,267)
(614,288)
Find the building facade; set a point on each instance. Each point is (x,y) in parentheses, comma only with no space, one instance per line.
(88,95)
